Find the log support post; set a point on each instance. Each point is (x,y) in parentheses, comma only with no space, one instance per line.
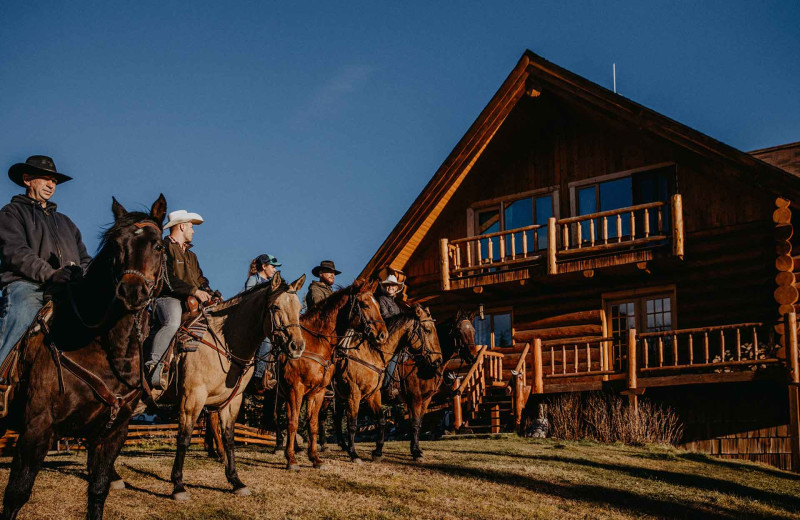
(552,246)
(676,204)
(633,398)
(458,419)
(444,261)
(794,388)
(538,374)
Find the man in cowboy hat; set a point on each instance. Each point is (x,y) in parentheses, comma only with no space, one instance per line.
(38,245)
(184,279)
(319,290)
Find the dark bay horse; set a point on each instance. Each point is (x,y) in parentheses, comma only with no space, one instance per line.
(352,308)
(216,373)
(81,374)
(360,372)
(419,381)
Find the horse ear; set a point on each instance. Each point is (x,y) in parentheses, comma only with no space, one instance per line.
(159,209)
(371,286)
(298,284)
(276,281)
(117,209)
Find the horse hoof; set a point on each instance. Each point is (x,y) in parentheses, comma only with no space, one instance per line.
(321,465)
(242,492)
(357,460)
(116,485)
(293,467)
(377,458)
(419,458)
(181,496)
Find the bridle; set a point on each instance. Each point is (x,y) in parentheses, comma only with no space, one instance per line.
(462,346)
(150,283)
(424,352)
(367,325)
(279,334)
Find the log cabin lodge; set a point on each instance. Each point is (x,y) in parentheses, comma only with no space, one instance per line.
(612,248)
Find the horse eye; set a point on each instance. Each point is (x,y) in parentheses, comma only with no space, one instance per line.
(159,247)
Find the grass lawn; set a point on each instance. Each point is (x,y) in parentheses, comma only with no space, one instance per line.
(507,477)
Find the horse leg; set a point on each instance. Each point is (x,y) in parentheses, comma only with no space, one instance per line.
(322,420)
(293,402)
(100,467)
(32,447)
(190,408)
(227,419)
(338,420)
(353,402)
(380,428)
(416,413)
(313,405)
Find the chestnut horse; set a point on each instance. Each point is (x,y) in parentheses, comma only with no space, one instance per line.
(352,308)
(360,372)
(80,375)
(215,371)
(419,381)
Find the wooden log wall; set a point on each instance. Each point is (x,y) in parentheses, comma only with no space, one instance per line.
(787,266)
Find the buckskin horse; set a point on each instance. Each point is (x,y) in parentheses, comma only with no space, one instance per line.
(352,308)
(214,369)
(419,381)
(80,373)
(360,372)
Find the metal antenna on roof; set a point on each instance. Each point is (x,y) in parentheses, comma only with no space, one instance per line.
(614,73)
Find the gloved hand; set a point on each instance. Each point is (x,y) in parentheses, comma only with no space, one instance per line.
(66,274)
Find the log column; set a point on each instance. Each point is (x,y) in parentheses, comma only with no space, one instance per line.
(786,294)
(790,322)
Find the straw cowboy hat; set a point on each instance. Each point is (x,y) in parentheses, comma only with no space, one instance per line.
(325,265)
(36,165)
(392,280)
(182,216)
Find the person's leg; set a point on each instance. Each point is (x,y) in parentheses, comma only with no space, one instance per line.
(169,313)
(261,359)
(21,301)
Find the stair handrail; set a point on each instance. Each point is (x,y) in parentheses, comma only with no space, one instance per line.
(472,370)
(516,385)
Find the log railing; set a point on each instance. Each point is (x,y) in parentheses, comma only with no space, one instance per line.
(469,391)
(517,384)
(589,356)
(719,346)
(495,249)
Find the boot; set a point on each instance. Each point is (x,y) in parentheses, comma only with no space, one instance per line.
(155,376)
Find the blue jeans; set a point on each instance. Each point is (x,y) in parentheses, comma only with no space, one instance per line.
(20,303)
(261,358)
(168,311)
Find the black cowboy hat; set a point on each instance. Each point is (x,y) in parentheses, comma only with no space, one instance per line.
(325,265)
(36,165)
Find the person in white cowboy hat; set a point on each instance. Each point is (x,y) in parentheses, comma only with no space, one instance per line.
(38,246)
(387,292)
(184,279)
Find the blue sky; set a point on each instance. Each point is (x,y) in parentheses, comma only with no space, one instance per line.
(306,129)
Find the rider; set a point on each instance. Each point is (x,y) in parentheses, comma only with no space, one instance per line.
(319,290)
(262,269)
(388,290)
(38,245)
(184,279)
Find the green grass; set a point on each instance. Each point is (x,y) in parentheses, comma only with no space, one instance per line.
(504,477)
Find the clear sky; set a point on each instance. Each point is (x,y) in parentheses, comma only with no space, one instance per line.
(306,129)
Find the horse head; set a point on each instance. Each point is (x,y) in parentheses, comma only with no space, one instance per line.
(136,253)
(365,313)
(463,336)
(284,316)
(424,342)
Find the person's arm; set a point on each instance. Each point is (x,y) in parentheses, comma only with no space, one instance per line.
(84,256)
(177,286)
(17,256)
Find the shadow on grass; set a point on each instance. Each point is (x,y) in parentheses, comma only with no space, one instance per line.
(188,483)
(600,495)
(728,463)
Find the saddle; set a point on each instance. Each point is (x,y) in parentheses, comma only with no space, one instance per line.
(9,369)
(185,340)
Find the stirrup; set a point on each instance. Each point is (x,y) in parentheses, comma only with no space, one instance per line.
(155,376)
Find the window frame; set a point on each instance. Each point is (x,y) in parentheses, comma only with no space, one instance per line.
(490,312)
(639,296)
(499,202)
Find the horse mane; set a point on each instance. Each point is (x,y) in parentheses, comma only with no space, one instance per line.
(124,221)
(319,314)
(239,298)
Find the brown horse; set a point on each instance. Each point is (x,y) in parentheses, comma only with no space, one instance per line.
(360,372)
(419,381)
(215,371)
(81,373)
(352,308)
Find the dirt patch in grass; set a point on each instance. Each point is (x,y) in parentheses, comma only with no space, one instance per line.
(505,478)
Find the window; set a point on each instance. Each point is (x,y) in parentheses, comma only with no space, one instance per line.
(623,191)
(648,310)
(494,329)
(515,213)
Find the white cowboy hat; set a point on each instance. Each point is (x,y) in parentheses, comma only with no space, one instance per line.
(392,280)
(181,216)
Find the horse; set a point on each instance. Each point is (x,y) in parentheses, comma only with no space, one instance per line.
(215,368)
(360,372)
(419,382)
(352,308)
(81,372)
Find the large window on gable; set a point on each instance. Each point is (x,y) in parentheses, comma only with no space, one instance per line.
(516,212)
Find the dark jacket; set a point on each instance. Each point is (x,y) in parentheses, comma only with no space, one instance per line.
(184,275)
(387,304)
(317,292)
(36,241)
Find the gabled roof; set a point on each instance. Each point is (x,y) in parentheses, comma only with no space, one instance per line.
(535,74)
